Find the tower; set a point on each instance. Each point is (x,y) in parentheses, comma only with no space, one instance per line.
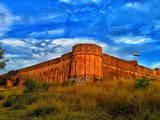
(86,62)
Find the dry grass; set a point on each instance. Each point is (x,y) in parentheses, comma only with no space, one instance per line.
(116,99)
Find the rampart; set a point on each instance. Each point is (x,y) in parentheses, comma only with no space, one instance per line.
(85,61)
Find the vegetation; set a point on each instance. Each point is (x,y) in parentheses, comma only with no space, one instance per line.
(32,86)
(1,97)
(2,64)
(2,60)
(40,111)
(112,99)
(142,83)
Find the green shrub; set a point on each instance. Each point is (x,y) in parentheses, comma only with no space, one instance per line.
(27,99)
(7,104)
(33,86)
(30,86)
(3,82)
(1,97)
(142,83)
(41,111)
(66,83)
(18,106)
(10,101)
(32,99)
(19,100)
(45,86)
(120,108)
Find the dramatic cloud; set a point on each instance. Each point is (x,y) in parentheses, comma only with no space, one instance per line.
(34,51)
(13,42)
(52,27)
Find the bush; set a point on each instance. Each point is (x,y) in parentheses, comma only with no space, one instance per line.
(18,106)
(7,104)
(10,101)
(120,107)
(30,86)
(21,100)
(33,86)
(3,82)
(45,86)
(142,83)
(32,99)
(1,97)
(41,111)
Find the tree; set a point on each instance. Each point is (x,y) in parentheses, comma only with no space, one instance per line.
(2,60)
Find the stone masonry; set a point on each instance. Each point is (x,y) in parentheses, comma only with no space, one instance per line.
(85,61)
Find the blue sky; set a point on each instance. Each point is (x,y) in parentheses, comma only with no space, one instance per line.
(43,30)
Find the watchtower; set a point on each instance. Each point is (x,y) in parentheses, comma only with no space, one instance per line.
(86,61)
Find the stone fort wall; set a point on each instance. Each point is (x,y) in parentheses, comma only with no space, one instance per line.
(85,61)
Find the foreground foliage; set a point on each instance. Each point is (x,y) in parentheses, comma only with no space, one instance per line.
(118,99)
(31,86)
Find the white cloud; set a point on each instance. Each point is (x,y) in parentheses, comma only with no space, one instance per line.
(49,32)
(133,5)
(51,16)
(137,5)
(71,42)
(65,42)
(14,55)
(132,40)
(156,25)
(43,44)
(11,55)
(58,31)
(13,42)
(155,65)
(35,53)
(21,19)
(17,18)
(80,1)
(66,1)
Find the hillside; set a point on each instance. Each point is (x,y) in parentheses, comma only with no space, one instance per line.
(113,99)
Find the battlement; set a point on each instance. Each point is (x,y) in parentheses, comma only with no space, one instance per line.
(85,61)
(87,49)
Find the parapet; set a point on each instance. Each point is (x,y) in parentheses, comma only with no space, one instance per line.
(87,49)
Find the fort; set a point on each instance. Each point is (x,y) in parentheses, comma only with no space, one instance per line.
(85,61)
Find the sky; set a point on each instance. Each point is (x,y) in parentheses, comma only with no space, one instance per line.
(46,29)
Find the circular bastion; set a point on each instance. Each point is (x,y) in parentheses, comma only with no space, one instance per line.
(86,61)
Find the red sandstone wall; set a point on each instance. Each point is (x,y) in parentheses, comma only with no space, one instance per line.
(116,67)
(86,61)
(53,70)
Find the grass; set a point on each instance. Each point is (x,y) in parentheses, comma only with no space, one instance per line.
(106,100)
